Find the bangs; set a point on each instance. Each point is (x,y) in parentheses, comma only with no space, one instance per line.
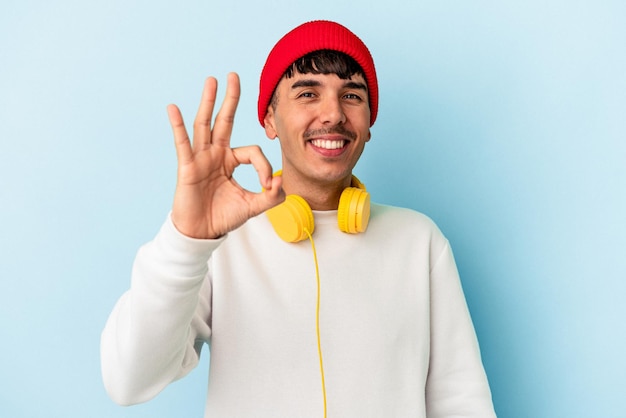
(325,62)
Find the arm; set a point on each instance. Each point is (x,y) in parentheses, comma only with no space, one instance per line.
(154,334)
(457,384)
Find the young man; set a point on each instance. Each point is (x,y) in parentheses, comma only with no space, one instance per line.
(388,334)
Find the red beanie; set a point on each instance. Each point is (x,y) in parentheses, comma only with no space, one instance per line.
(310,37)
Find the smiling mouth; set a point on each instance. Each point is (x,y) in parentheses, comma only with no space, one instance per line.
(328,143)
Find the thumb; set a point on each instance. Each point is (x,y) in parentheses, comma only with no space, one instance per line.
(270,196)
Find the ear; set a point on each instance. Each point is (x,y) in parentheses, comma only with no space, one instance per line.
(268,121)
(369,136)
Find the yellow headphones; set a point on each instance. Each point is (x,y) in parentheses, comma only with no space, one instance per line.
(293,218)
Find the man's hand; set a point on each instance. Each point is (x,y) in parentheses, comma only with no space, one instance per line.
(208,202)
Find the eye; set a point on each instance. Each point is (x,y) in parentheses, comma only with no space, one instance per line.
(352,96)
(307,95)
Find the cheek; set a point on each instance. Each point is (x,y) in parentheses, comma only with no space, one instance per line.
(360,119)
(291,125)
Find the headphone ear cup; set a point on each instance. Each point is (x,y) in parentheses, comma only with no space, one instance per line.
(292,218)
(353,213)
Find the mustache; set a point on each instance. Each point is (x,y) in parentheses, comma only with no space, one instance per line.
(339,129)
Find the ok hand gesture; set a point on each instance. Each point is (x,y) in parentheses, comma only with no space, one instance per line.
(208,202)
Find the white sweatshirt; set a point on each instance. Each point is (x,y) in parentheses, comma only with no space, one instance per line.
(396,335)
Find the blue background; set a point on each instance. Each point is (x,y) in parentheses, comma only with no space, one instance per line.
(503,121)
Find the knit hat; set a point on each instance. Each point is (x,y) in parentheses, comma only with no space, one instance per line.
(309,37)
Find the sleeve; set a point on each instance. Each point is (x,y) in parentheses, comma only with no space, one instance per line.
(457,384)
(155,332)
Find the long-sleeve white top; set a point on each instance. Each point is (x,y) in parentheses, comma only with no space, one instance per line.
(396,335)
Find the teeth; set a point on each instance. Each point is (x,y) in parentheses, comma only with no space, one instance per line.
(328,144)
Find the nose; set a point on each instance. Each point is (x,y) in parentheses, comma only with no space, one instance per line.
(331,111)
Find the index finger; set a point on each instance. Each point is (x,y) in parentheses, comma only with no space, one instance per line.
(225,118)
(252,154)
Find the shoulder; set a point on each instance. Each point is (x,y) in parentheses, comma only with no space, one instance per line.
(407,227)
(402,218)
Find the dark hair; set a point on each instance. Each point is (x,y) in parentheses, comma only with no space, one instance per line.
(324,61)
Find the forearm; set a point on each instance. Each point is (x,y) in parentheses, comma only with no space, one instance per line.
(149,338)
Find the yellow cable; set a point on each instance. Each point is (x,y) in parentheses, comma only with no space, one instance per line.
(317,321)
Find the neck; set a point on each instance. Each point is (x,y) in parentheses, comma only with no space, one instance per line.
(319,195)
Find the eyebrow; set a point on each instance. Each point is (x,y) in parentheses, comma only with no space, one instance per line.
(356,85)
(314,83)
